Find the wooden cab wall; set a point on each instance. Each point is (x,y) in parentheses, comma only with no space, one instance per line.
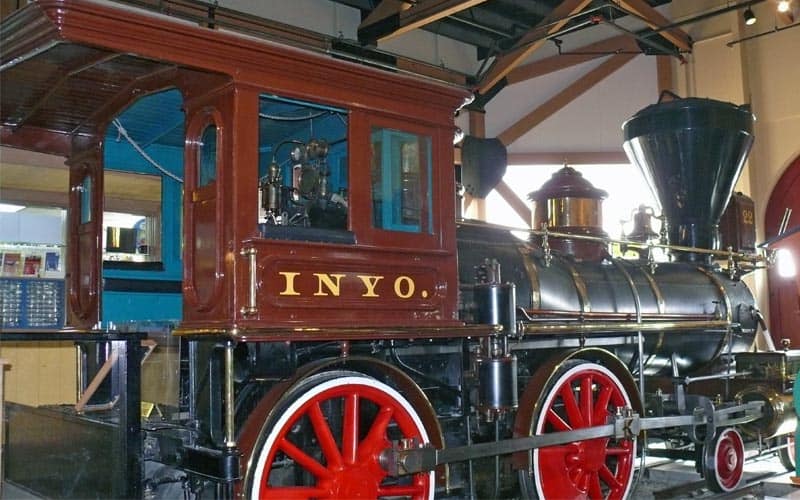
(245,275)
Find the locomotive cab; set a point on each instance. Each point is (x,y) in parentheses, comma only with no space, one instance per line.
(302,210)
(302,207)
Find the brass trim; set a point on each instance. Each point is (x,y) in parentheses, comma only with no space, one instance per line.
(721,288)
(728,337)
(230,434)
(252,306)
(607,326)
(573,212)
(580,287)
(245,333)
(747,257)
(660,303)
(533,276)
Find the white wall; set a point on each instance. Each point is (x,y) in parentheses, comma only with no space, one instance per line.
(590,123)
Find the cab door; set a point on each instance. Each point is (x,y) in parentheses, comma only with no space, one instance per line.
(85,222)
(205,229)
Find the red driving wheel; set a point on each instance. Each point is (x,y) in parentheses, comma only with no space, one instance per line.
(325,442)
(580,394)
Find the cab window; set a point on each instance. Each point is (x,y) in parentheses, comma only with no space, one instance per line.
(401,181)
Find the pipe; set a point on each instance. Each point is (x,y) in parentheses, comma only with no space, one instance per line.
(693,19)
(765,33)
(230,436)
(602,326)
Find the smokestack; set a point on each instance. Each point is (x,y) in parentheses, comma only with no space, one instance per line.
(691,152)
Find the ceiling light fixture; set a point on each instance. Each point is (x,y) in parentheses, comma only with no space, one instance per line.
(749,17)
(783,6)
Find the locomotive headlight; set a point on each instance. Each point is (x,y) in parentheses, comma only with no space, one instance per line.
(785,264)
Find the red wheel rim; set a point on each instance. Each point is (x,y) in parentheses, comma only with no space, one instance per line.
(729,455)
(585,395)
(352,420)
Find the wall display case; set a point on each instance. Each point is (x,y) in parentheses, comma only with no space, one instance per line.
(32,268)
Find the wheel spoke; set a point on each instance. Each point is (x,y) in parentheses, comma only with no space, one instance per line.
(290,492)
(608,477)
(350,428)
(586,399)
(601,406)
(304,460)
(594,489)
(618,452)
(571,406)
(557,422)
(376,437)
(326,440)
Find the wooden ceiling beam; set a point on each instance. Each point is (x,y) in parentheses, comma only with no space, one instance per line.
(655,20)
(520,207)
(395,17)
(557,102)
(530,43)
(616,45)
(44,141)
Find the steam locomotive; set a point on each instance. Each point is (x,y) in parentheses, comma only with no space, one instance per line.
(337,331)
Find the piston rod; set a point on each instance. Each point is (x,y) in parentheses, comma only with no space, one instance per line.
(409,458)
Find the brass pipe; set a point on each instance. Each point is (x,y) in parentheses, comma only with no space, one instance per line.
(614,315)
(631,244)
(617,326)
(252,307)
(230,436)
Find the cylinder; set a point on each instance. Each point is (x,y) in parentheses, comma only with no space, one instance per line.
(779,416)
(497,383)
(497,305)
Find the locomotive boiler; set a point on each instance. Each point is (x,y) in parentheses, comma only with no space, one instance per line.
(320,324)
(691,151)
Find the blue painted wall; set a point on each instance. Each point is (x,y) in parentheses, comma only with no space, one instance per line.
(119,155)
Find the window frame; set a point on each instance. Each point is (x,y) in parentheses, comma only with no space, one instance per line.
(363,227)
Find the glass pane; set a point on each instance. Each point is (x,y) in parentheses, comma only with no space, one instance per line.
(303,169)
(86,200)
(208,156)
(401,181)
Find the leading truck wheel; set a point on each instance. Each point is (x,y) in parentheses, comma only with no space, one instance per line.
(325,437)
(788,454)
(724,461)
(580,394)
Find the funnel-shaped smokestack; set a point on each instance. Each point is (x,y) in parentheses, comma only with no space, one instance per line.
(691,151)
